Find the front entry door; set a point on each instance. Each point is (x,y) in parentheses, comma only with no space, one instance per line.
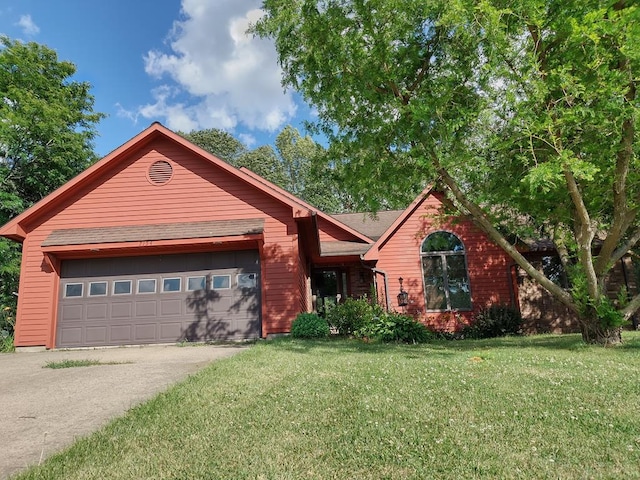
(329,287)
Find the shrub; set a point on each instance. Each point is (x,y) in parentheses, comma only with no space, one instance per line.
(395,327)
(309,325)
(352,315)
(7,323)
(494,321)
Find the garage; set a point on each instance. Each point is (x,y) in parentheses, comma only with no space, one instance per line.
(159,299)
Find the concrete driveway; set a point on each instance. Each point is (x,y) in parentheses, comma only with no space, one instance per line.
(43,410)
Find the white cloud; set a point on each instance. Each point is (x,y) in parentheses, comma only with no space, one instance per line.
(247,139)
(223,76)
(28,25)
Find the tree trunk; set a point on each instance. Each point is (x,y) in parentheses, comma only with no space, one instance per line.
(594,333)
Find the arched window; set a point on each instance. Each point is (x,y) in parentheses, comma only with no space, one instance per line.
(444,270)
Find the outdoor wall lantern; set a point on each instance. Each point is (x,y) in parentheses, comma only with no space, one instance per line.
(403,297)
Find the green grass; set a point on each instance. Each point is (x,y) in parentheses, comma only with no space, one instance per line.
(77,363)
(533,407)
(6,343)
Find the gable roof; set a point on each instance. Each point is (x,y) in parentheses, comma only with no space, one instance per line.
(330,218)
(372,253)
(17,228)
(371,226)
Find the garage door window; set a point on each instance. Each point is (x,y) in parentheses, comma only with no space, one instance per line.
(73,290)
(122,287)
(147,286)
(97,289)
(247,280)
(171,284)
(221,282)
(196,283)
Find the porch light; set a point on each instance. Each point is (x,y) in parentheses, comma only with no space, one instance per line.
(403,297)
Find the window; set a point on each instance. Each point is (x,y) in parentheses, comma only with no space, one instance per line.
(122,287)
(221,282)
(444,269)
(73,290)
(97,289)
(171,284)
(196,283)
(147,286)
(247,280)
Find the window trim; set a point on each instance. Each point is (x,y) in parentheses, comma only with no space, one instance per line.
(189,289)
(252,275)
(155,286)
(74,296)
(113,287)
(172,291)
(443,254)
(220,275)
(106,289)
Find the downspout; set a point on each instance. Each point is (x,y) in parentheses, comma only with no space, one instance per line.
(384,279)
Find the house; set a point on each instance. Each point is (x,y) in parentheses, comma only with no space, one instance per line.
(160,241)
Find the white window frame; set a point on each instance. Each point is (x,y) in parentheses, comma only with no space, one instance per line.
(204,287)
(106,289)
(155,286)
(74,296)
(113,287)
(213,276)
(172,278)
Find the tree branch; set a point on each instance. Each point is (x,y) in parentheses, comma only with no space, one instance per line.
(626,246)
(631,307)
(621,213)
(485,224)
(584,232)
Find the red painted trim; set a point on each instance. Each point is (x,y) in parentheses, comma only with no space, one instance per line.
(53,321)
(263,290)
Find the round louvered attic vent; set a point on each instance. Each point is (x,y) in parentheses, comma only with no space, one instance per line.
(160,172)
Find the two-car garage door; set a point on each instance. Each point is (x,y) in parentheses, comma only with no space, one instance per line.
(159,299)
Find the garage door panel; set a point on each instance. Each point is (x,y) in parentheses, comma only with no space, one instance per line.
(145,332)
(146,309)
(171,307)
(120,315)
(97,311)
(70,336)
(73,313)
(121,310)
(96,335)
(170,331)
(120,334)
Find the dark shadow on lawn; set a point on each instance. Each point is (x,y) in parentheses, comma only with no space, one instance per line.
(570,342)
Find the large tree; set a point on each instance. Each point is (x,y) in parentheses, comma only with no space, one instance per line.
(525,111)
(47,126)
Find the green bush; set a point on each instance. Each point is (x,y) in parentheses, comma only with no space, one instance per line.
(395,327)
(7,323)
(309,325)
(494,321)
(352,315)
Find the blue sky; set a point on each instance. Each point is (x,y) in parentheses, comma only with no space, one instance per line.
(185,63)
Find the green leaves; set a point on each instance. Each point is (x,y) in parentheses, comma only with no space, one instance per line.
(516,102)
(47,125)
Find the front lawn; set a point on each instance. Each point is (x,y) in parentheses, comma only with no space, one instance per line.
(532,407)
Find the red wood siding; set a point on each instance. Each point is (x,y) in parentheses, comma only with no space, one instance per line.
(197,191)
(487,263)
